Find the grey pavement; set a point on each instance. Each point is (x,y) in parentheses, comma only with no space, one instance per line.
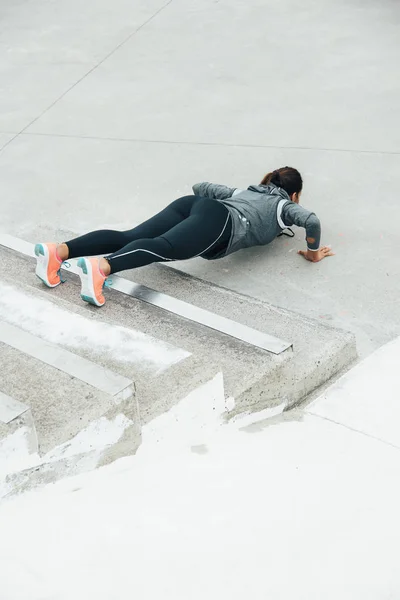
(110,110)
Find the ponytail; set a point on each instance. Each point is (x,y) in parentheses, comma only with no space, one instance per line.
(273,177)
(287,178)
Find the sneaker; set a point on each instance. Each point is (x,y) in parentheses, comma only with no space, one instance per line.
(93,281)
(48,264)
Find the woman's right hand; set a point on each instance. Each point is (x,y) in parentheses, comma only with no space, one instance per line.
(317,255)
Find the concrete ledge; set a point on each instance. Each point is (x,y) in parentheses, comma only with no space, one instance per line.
(100,378)
(168,303)
(318,353)
(61,405)
(256,379)
(104,441)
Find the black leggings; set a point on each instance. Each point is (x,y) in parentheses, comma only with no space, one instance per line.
(190,226)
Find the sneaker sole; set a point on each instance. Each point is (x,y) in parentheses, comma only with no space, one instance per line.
(87,290)
(42,261)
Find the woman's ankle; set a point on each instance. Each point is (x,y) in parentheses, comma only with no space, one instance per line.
(62,252)
(105,267)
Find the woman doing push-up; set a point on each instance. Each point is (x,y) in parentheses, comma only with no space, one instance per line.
(214,222)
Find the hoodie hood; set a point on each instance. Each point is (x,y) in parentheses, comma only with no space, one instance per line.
(271,189)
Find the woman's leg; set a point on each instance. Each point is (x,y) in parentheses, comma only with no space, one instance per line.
(51,256)
(207,221)
(207,225)
(106,241)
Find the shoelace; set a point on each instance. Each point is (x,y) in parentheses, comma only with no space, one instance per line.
(66,265)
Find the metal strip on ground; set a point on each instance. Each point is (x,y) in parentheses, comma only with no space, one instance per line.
(98,377)
(173,305)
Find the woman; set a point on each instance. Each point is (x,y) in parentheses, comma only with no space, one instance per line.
(214,222)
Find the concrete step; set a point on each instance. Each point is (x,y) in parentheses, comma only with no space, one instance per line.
(63,391)
(256,379)
(85,451)
(164,355)
(59,413)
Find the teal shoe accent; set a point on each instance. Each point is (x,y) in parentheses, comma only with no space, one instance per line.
(82,265)
(88,299)
(39,250)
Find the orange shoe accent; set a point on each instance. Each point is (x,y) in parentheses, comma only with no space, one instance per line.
(48,264)
(92,281)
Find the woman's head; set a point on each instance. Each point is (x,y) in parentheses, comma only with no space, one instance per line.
(288,179)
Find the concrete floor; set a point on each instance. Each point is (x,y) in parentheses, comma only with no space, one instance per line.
(303,506)
(110,110)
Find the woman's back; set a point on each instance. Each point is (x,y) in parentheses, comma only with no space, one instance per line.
(259,214)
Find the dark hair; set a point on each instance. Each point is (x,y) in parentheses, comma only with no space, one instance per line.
(287,178)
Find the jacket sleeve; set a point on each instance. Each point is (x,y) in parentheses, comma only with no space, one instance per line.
(212,190)
(293,214)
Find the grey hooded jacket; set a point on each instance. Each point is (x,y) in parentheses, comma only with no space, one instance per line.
(259,214)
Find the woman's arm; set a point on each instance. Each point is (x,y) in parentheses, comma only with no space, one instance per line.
(293,214)
(213,190)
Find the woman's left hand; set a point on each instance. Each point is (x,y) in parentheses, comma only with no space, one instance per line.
(316,256)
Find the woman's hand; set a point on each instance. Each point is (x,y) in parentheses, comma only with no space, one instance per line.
(317,255)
